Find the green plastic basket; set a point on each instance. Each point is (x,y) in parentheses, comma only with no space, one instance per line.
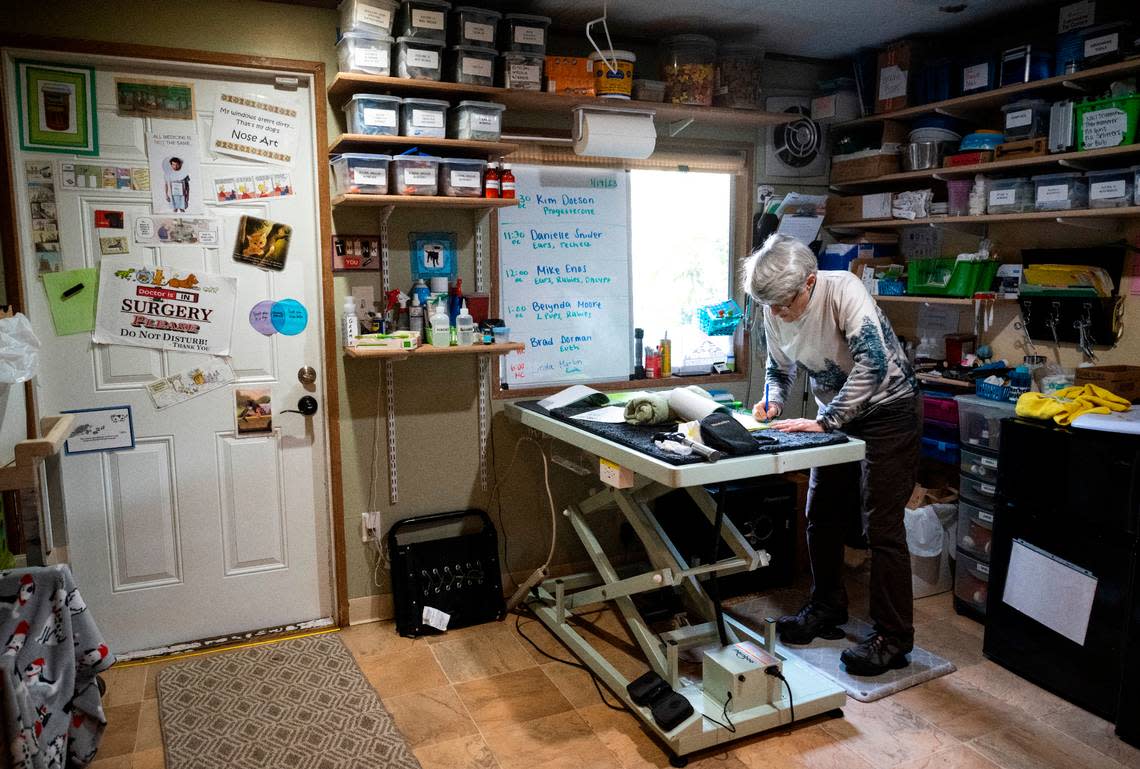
(1112,120)
(948,277)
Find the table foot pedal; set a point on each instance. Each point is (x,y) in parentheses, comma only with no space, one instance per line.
(668,707)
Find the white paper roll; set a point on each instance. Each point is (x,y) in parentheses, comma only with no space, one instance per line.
(690,406)
(616,135)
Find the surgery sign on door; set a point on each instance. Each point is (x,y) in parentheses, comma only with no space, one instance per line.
(166,309)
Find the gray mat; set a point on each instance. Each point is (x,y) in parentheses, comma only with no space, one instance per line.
(824,655)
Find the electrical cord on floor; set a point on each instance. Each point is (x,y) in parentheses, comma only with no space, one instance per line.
(777,673)
(731,727)
(571,663)
(549,499)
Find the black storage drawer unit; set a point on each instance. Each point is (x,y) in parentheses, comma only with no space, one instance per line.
(1074,495)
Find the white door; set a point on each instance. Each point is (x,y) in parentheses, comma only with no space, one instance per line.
(195,532)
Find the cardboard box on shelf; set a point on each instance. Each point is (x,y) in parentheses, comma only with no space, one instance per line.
(868,164)
(854,208)
(1119,380)
(569,74)
(893,77)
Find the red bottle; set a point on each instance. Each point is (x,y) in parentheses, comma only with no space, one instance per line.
(491,181)
(507,182)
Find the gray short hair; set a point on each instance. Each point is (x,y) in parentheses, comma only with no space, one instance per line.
(777,271)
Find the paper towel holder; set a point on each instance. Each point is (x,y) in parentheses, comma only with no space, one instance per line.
(638,118)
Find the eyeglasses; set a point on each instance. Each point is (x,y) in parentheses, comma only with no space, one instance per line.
(783,307)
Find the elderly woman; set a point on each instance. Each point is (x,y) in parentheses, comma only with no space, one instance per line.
(828,323)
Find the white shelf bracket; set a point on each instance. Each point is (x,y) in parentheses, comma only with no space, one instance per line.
(390,420)
(1074,86)
(1074,164)
(385,271)
(677,126)
(1101,225)
(484,416)
(949,113)
(480,218)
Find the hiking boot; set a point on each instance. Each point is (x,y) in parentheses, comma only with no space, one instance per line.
(810,622)
(874,656)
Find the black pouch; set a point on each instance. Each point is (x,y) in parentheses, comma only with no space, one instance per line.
(647,688)
(671,709)
(722,432)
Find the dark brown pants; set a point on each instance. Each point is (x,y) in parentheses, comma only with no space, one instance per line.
(878,488)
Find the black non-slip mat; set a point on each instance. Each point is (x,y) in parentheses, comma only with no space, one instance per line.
(640,437)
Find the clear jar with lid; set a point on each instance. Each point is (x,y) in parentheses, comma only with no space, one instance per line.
(688,69)
(738,76)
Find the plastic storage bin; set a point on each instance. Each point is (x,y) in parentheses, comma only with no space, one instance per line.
(1060,192)
(415,175)
(984,467)
(648,90)
(972,582)
(946,432)
(364,52)
(475,26)
(1107,122)
(737,76)
(687,67)
(978,74)
(375,16)
(419,58)
(471,65)
(523,71)
(939,409)
(1026,119)
(1136,185)
(372,114)
(1010,196)
(423,19)
(461,177)
(1111,189)
(949,277)
(979,421)
(978,492)
(975,530)
(477,121)
(526,33)
(424,117)
(358,173)
(940,451)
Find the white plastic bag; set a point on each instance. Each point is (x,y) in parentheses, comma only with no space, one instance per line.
(19,350)
(924,534)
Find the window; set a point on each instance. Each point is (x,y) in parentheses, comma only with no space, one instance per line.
(682,254)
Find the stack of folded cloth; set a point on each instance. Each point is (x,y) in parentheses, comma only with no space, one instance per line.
(1065,405)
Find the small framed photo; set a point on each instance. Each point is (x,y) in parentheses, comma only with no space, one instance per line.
(101,429)
(432,254)
(356,252)
(56,108)
(154,98)
(253,411)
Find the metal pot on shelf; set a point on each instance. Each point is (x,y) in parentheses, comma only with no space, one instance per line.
(919,156)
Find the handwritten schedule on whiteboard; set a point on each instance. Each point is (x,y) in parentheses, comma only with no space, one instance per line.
(564,276)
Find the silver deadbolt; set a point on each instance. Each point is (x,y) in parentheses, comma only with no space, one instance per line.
(307,375)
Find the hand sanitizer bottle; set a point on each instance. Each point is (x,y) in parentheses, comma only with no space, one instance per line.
(440,326)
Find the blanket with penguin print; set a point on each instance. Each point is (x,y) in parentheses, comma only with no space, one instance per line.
(53,713)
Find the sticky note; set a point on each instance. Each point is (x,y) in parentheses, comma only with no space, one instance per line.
(76,313)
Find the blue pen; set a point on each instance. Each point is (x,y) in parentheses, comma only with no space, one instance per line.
(765,400)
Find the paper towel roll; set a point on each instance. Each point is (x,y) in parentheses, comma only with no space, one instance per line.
(690,406)
(615,135)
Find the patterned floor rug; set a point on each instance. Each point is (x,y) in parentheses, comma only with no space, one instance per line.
(824,655)
(301,703)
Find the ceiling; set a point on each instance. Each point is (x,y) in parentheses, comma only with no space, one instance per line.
(824,29)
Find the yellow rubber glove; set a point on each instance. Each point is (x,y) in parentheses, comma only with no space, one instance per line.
(1039,406)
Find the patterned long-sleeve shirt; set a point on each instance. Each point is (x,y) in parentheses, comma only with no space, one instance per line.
(846,345)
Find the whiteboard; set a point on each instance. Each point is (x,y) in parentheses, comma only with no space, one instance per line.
(564,276)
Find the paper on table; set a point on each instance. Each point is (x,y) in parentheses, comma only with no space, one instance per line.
(1051,591)
(1117,422)
(609,414)
(76,313)
(567,397)
(690,406)
(750,423)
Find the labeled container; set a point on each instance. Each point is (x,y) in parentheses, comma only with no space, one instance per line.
(1024,64)
(972,582)
(364,52)
(648,90)
(461,177)
(978,492)
(360,174)
(502,334)
(475,27)
(419,58)
(940,451)
(424,117)
(477,121)
(471,65)
(979,421)
(414,175)
(1107,122)
(373,114)
(982,466)
(423,19)
(1010,196)
(737,76)
(525,32)
(373,16)
(613,74)
(975,530)
(523,71)
(979,73)
(688,64)
(1111,189)
(1026,119)
(1106,43)
(949,277)
(1060,192)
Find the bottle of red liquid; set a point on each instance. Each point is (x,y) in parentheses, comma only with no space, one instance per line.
(491,181)
(507,182)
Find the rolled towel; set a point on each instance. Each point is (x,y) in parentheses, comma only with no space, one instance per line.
(647,409)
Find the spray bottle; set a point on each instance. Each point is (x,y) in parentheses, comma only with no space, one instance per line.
(416,317)
(350,327)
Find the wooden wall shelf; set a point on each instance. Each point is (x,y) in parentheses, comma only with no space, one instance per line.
(421,201)
(1089,215)
(396,144)
(428,351)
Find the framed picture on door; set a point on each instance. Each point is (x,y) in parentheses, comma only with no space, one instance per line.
(56,108)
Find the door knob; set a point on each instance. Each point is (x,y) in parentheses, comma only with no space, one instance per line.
(307,375)
(306,406)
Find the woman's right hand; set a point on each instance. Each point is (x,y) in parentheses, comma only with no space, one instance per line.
(760,415)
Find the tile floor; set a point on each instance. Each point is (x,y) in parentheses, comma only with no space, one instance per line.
(481,697)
